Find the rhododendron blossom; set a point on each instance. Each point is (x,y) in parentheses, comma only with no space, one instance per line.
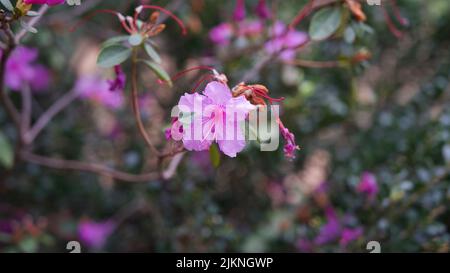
(214,116)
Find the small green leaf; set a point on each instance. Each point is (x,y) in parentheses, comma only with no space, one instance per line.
(32,13)
(7,4)
(113,55)
(6,152)
(325,23)
(159,71)
(28,27)
(152,53)
(115,40)
(349,35)
(135,39)
(214,156)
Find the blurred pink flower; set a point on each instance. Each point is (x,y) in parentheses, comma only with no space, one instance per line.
(96,89)
(331,231)
(221,34)
(21,70)
(349,235)
(290,146)
(262,10)
(95,234)
(368,185)
(239,11)
(118,84)
(213,116)
(285,41)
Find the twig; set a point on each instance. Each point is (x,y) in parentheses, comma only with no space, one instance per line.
(72,165)
(26,110)
(31,23)
(314,64)
(135,105)
(173,165)
(48,115)
(4,98)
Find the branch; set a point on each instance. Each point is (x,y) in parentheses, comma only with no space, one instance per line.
(135,104)
(11,110)
(45,118)
(26,111)
(72,165)
(31,23)
(314,64)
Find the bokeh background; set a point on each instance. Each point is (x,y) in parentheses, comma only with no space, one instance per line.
(374,138)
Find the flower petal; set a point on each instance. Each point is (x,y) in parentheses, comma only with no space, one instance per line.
(218,93)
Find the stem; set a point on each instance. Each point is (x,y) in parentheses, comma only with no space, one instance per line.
(4,98)
(135,104)
(71,165)
(314,64)
(31,23)
(45,118)
(26,111)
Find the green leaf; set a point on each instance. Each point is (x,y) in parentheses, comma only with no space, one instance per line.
(135,39)
(113,55)
(152,53)
(214,156)
(115,40)
(32,13)
(6,152)
(159,71)
(28,27)
(7,4)
(325,23)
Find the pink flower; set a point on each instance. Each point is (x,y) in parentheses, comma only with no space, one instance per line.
(331,230)
(368,185)
(290,146)
(212,116)
(239,11)
(96,89)
(221,34)
(119,82)
(95,234)
(42,2)
(262,10)
(285,41)
(21,70)
(349,235)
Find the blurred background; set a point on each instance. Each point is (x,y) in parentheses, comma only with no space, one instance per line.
(368,107)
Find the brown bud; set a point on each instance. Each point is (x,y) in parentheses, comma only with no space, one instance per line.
(154,17)
(158,29)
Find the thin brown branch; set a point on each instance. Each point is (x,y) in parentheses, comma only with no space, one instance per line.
(48,115)
(31,23)
(26,110)
(10,108)
(135,105)
(314,64)
(72,165)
